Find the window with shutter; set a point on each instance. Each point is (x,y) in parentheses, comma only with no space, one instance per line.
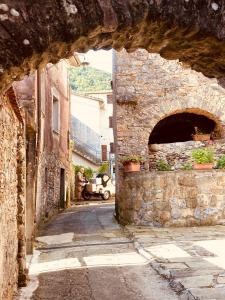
(104,152)
(110,122)
(112,150)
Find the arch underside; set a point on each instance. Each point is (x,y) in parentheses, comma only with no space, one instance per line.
(33,33)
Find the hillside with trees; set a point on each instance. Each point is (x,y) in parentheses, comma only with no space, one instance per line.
(88,79)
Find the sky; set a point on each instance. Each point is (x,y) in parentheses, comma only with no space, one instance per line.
(98,59)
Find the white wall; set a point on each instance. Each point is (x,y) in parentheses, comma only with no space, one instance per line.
(95,114)
(106,112)
(81,161)
(87,111)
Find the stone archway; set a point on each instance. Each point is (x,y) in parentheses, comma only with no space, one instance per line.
(34,33)
(148,89)
(187,118)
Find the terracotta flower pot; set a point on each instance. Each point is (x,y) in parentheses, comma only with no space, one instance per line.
(201,137)
(207,166)
(132,167)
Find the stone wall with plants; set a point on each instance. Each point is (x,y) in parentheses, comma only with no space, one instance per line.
(182,198)
(148,88)
(179,155)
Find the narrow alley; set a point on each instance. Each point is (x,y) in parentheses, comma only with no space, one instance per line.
(112,150)
(84,254)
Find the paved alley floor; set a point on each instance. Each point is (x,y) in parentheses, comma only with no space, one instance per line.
(192,259)
(84,254)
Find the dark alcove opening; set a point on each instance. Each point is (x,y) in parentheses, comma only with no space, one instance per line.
(180,128)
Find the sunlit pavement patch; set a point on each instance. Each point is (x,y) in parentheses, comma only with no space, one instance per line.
(190,258)
(121,259)
(55,265)
(56,239)
(167,251)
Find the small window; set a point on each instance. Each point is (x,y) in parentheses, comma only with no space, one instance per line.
(112,150)
(110,99)
(46,175)
(110,122)
(104,152)
(68,139)
(55,115)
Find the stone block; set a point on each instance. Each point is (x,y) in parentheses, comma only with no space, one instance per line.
(187,181)
(209,293)
(191,202)
(176,213)
(221,279)
(197,281)
(164,216)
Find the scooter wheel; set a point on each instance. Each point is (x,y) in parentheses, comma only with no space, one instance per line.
(106,195)
(86,195)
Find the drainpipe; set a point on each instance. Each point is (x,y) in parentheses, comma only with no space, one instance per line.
(38,143)
(38,150)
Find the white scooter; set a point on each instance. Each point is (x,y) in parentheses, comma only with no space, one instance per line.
(100,186)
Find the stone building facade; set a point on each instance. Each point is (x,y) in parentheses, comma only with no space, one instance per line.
(45,98)
(53,172)
(158,105)
(36,178)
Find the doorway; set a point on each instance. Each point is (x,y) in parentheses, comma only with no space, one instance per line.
(62,188)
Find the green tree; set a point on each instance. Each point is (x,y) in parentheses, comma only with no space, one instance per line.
(89,79)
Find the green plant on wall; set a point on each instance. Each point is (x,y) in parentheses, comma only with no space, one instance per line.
(187,167)
(88,172)
(104,168)
(203,156)
(221,162)
(162,165)
(132,158)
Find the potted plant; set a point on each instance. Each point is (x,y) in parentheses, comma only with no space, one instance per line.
(162,165)
(221,162)
(132,163)
(201,136)
(203,158)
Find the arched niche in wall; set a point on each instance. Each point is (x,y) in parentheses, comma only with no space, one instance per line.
(182,126)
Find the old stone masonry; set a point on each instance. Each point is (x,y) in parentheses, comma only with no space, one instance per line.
(160,109)
(163,237)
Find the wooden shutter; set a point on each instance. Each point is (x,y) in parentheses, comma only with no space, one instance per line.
(110,122)
(112,150)
(104,152)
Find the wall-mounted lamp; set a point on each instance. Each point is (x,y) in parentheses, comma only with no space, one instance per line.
(84,63)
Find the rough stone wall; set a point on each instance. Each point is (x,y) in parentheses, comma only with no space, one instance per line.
(8,200)
(178,154)
(147,88)
(181,198)
(192,31)
(25,95)
(50,186)
(21,206)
